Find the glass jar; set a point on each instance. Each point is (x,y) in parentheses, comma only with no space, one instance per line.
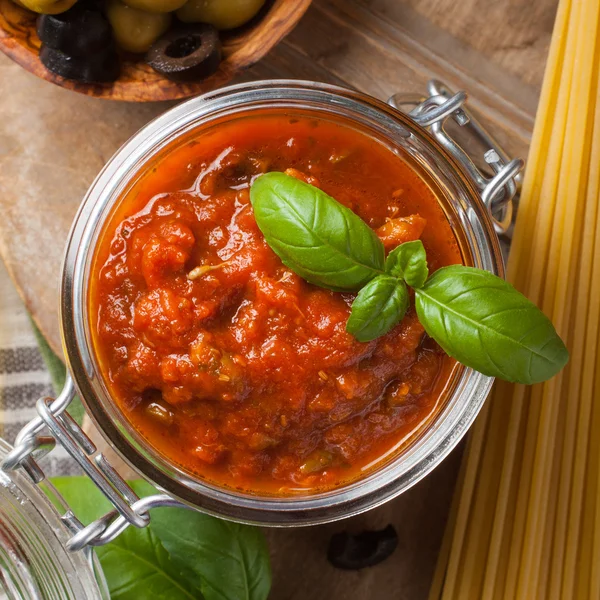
(467,198)
(464,208)
(34,562)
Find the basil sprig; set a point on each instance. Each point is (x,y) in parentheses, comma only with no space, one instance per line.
(476,317)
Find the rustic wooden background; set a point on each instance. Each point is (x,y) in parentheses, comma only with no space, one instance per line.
(53,142)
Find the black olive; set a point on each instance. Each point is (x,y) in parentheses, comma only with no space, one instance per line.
(102,67)
(188,53)
(79,31)
(369,548)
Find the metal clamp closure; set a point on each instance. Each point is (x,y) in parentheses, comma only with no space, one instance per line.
(30,445)
(498,190)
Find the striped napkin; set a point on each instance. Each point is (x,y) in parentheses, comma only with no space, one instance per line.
(26,368)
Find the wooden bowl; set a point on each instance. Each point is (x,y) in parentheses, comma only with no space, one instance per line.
(138,82)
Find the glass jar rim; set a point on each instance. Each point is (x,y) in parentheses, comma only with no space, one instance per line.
(375,488)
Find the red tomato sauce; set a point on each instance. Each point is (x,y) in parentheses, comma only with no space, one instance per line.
(228,363)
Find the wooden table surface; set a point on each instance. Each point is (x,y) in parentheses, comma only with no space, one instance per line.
(53,143)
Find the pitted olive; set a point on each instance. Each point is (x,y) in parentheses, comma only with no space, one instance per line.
(77,32)
(135,30)
(100,67)
(188,53)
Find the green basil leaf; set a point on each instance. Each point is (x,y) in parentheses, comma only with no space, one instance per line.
(314,235)
(181,555)
(377,308)
(136,564)
(408,261)
(230,560)
(483,322)
(138,567)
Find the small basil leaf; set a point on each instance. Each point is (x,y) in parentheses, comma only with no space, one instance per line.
(314,235)
(377,308)
(408,261)
(483,322)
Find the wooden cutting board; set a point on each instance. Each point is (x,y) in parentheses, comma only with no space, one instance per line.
(53,143)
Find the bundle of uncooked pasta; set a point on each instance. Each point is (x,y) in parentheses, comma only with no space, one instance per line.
(525,523)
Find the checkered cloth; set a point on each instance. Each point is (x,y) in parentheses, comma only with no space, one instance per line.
(23,374)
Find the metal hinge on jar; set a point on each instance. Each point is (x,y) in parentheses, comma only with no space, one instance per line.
(31,445)
(497,191)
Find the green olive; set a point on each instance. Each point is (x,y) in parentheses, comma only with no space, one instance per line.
(135,30)
(47,7)
(222,14)
(156,6)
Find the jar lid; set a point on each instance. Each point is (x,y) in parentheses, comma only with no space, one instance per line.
(34,561)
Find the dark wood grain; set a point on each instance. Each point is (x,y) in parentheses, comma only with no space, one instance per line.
(138,82)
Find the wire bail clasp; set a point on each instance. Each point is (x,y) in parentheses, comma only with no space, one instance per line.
(499,188)
(31,445)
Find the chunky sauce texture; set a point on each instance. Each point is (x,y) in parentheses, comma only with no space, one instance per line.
(227,362)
